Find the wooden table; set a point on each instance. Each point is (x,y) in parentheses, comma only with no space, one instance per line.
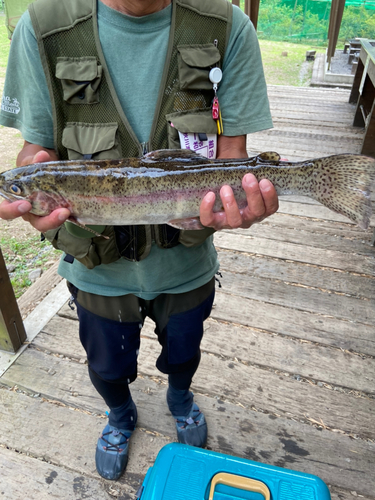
(363,95)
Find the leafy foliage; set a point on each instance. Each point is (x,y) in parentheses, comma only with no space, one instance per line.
(301,20)
(357,22)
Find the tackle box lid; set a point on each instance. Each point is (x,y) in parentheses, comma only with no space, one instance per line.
(183,472)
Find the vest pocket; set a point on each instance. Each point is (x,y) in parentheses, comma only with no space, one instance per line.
(194,64)
(199,121)
(99,141)
(91,252)
(80,79)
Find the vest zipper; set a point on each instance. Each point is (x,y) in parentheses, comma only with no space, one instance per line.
(144,146)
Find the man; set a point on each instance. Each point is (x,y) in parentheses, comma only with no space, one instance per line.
(118,78)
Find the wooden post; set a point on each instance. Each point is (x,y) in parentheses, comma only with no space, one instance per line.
(236,2)
(12,330)
(252,10)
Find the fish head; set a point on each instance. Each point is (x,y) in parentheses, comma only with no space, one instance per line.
(22,183)
(13,187)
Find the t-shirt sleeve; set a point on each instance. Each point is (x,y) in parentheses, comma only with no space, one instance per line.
(26,103)
(242,92)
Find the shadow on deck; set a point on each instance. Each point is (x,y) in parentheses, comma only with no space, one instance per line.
(287,372)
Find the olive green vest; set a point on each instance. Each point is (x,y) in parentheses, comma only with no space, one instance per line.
(89,121)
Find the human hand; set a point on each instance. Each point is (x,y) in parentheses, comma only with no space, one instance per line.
(21,208)
(262,201)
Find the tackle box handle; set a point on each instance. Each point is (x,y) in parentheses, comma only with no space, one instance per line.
(242,482)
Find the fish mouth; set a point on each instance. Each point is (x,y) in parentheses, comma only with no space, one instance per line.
(10,197)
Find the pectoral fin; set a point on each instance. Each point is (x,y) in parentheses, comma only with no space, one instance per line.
(87,228)
(190,224)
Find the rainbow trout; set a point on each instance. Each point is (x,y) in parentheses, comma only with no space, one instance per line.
(167,186)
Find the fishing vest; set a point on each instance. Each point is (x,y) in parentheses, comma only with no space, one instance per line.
(89,122)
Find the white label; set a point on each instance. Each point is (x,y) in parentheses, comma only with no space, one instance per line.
(204,148)
(10,105)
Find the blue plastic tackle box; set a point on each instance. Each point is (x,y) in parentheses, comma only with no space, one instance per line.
(184,472)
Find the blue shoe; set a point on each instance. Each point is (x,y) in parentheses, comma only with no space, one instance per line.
(192,428)
(112,450)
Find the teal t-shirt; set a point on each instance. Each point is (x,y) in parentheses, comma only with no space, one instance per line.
(135,62)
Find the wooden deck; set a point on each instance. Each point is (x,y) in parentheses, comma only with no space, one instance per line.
(287,372)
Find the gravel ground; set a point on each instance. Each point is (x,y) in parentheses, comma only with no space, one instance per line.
(339,63)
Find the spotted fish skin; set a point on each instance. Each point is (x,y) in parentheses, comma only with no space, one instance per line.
(169,185)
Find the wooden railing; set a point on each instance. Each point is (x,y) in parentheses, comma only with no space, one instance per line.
(12,331)
(251,9)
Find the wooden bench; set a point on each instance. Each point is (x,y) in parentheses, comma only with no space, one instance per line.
(354,50)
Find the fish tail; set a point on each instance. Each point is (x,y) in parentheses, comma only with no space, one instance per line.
(346,184)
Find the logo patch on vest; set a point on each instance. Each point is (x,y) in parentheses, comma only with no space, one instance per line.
(10,105)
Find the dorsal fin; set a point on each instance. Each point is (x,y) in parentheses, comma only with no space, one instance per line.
(269,156)
(173,155)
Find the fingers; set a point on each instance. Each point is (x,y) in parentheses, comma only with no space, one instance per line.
(9,211)
(51,221)
(39,157)
(262,201)
(229,218)
(207,216)
(13,210)
(232,212)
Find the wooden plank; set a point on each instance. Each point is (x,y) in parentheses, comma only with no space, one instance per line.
(342,130)
(297,274)
(301,121)
(314,114)
(301,223)
(325,95)
(337,101)
(303,232)
(333,366)
(289,251)
(318,211)
(307,147)
(329,134)
(270,392)
(315,362)
(314,136)
(297,117)
(38,290)
(48,431)
(300,324)
(42,481)
(237,429)
(300,298)
(330,92)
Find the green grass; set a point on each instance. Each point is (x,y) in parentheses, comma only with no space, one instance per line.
(4,44)
(26,255)
(290,69)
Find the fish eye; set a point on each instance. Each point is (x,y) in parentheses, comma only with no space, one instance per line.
(15,189)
